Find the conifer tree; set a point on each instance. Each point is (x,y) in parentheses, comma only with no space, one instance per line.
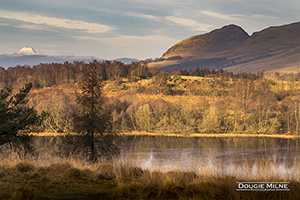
(94,117)
(16,118)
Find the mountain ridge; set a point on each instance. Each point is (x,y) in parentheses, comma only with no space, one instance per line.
(30,56)
(272,49)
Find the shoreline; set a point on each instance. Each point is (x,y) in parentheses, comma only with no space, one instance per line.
(107,180)
(138,133)
(142,133)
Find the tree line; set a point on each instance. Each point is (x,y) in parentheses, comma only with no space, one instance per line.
(222,102)
(49,74)
(18,120)
(208,106)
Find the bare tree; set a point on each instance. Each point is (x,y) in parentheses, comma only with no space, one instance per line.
(243,91)
(296,108)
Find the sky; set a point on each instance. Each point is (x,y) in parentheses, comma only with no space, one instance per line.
(110,29)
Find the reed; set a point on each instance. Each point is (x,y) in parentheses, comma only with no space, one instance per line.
(49,175)
(54,177)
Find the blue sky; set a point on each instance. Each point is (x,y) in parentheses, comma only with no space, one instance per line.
(110,29)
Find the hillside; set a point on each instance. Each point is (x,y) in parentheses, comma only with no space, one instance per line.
(275,49)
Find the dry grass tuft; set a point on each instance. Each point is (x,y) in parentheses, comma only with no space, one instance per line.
(50,176)
(112,180)
(24,167)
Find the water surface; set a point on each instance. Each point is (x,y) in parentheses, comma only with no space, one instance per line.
(228,156)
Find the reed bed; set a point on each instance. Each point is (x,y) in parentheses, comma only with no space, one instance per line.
(55,177)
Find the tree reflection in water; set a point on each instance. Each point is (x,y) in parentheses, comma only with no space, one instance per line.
(242,157)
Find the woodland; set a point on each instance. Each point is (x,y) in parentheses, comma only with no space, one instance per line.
(146,99)
(79,160)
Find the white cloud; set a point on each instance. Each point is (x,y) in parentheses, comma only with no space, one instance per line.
(218,15)
(235,17)
(192,24)
(56,22)
(151,17)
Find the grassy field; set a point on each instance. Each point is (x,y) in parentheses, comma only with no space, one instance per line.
(71,178)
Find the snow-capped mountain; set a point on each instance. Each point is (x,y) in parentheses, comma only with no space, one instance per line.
(30,56)
(28,51)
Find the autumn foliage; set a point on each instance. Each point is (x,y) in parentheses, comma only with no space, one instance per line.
(178,102)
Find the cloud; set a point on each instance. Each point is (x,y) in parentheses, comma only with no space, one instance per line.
(192,24)
(143,7)
(218,15)
(151,17)
(4,24)
(34,27)
(257,17)
(56,22)
(128,40)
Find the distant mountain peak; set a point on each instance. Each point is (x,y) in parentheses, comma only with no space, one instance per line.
(28,51)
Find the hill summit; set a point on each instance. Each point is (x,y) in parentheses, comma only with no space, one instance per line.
(230,47)
(226,38)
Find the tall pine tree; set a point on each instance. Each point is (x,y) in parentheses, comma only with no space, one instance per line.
(94,118)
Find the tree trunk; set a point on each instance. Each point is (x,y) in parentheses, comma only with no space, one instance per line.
(296,118)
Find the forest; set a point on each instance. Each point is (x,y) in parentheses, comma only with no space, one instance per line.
(77,157)
(171,102)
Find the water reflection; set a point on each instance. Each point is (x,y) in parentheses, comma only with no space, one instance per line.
(243,157)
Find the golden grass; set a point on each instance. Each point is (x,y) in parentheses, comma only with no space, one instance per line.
(51,134)
(139,133)
(25,180)
(56,178)
(143,133)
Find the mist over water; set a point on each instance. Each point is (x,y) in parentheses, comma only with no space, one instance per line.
(241,157)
